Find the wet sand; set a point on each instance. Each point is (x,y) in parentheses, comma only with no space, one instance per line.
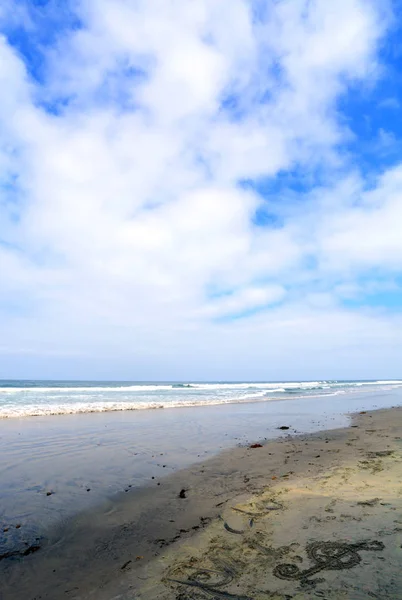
(310,516)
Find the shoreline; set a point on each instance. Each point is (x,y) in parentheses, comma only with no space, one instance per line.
(83,460)
(63,409)
(98,550)
(198,404)
(195,404)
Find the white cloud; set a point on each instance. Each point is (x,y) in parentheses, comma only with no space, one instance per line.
(365,235)
(133,234)
(249,299)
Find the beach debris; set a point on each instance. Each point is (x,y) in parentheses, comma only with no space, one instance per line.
(182,493)
(256,446)
(274,477)
(327,556)
(125,565)
(50,493)
(25,552)
(88,489)
(380,453)
(139,557)
(5,529)
(372,502)
(363,412)
(283,427)
(18,525)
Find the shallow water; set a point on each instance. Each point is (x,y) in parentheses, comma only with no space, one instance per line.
(109,452)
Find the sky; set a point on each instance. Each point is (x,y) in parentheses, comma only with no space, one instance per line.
(205,190)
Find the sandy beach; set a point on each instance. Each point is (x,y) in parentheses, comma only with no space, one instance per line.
(308,516)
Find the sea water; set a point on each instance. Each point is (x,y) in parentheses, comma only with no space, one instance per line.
(40,398)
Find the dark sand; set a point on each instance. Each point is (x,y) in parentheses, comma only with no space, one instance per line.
(245,514)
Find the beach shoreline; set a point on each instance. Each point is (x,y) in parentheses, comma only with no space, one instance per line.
(128,545)
(52,468)
(46,398)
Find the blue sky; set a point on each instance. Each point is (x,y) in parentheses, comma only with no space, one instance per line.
(210,191)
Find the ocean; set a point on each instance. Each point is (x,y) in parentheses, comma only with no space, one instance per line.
(40,398)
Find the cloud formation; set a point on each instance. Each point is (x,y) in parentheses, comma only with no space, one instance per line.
(181,195)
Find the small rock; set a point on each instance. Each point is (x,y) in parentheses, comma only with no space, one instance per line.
(182,494)
(256,446)
(49,493)
(18,525)
(283,427)
(88,489)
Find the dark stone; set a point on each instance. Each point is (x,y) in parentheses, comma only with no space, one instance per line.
(182,494)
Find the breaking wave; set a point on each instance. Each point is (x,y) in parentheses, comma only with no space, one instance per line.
(21,399)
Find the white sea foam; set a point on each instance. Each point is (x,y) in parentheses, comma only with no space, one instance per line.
(37,410)
(186,387)
(74,399)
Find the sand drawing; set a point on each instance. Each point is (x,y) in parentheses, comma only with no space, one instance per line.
(327,556)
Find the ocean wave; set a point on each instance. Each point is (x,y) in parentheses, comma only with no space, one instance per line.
(75,399)
(38,410)
(303,385)
(379,382)
(41,410)
(125,388)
